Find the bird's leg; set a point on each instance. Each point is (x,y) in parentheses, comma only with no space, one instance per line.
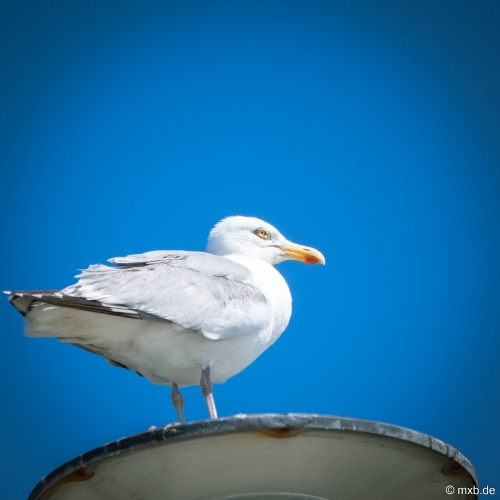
(178,401)
(206,390)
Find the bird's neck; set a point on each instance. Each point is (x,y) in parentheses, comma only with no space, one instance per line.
(263,273)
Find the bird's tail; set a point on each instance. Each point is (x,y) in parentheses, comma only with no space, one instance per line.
(23,301)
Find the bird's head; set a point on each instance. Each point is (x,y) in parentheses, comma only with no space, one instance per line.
(252,237)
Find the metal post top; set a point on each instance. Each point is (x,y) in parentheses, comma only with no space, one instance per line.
(344,429)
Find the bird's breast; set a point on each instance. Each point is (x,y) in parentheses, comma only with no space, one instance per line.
(271,283)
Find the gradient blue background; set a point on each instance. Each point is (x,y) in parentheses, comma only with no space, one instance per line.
(369,130)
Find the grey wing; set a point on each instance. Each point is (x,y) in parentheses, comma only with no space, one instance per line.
(195,290)
(206,263)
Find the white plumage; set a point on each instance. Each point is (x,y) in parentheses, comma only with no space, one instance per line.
(176,316)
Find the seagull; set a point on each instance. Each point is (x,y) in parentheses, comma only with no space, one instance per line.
(178,318)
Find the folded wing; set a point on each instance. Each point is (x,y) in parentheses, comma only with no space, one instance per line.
(194,290)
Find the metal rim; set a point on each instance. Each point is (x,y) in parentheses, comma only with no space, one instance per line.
(242,422)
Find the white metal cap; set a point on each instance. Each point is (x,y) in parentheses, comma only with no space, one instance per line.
(272,457)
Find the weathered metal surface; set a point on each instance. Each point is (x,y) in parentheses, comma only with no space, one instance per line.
(352,458)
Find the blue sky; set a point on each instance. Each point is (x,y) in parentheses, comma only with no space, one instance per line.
(369,130)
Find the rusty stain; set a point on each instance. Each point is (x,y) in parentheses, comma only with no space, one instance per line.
(280,432)
(79,475)
(453,469)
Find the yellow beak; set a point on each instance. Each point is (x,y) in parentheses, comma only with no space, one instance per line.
(304,254)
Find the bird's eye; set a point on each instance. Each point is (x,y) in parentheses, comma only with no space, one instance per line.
(262,233)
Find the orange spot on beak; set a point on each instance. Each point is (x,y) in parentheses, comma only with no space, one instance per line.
(311,259)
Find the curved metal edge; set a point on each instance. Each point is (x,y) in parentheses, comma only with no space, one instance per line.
(243,422)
